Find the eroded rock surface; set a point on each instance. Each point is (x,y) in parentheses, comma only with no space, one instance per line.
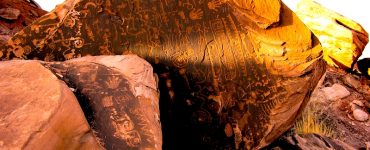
(9,13)
(15,15)
(223,66)
(38,111)
(120,99)
(309,142)
(343,40)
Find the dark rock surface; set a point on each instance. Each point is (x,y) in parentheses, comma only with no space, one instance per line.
(119,97)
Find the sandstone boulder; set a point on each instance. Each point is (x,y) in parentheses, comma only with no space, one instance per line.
(343,40)
(38,111)
(232,74)
(119,94)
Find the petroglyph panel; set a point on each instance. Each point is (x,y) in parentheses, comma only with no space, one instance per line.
(219,62)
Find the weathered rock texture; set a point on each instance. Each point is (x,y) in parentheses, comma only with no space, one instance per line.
(38,111)
(15,15)
(309,142)
(343,40)
(335,92)
(120,99)
(233,74)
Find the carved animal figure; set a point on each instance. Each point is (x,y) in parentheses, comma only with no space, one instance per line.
(234,74)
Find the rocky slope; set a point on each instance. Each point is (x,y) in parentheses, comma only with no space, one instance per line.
(347,109)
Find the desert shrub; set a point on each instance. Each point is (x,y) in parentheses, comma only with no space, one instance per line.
(310,122)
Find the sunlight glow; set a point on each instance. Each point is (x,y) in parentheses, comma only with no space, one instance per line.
(48,5)
(356,10)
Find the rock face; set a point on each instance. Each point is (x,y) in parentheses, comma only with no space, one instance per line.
(15,15)
(121,97)
(343,40)
(118,95)
(239,67)
(38,111)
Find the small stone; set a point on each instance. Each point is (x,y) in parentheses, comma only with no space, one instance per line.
(228,130)
(352,82)
(72,89)
(360,115)
(9,13)
(354,106)
(335,92)
(358,103)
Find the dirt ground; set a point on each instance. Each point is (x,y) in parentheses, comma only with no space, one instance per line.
(338,113)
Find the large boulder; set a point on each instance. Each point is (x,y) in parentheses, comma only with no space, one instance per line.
(343,39)
(232,74)
(38,111)
(15,15)
(120,97)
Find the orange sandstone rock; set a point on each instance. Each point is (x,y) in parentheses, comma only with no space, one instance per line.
(251,64)
(16,15)
(38,111)
(342,39)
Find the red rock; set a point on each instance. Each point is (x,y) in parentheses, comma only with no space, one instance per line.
(16,15)
(122,99)
(9,13)
(336,92)
(38,111)
(218,62)
(342,39)
(360,115)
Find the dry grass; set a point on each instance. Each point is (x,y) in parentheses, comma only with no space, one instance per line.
(310,123)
